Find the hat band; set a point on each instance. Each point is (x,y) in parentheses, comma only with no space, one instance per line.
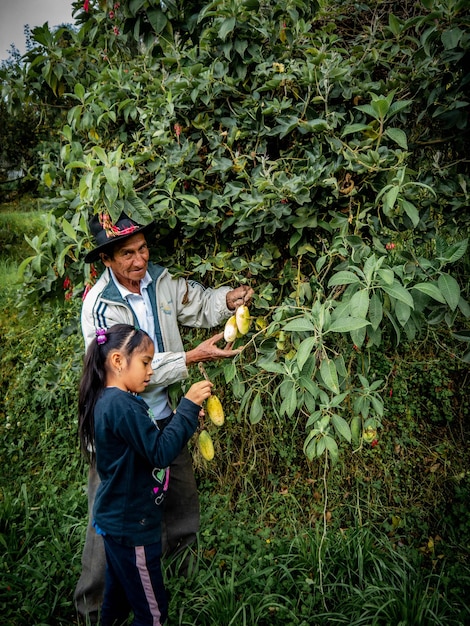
(112,230)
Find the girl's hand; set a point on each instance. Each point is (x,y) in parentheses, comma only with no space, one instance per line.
(199,392)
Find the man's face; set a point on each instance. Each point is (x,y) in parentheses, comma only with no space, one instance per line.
(129,261)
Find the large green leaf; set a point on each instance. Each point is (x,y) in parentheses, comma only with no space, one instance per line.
(430,289)
(329,374)
(343,278)
(346,324)
(359,304)
(399,292)
(304,350)
(300,325)
(398,136)
(227,27)
(375,311)
(256,410)
(450,289)
(341,427)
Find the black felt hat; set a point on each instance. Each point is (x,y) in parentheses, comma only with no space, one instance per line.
(106,234)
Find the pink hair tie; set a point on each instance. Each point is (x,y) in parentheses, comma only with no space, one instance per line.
(101,337)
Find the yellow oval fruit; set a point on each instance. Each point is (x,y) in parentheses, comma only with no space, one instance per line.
(231,329)
(242,317)
(215,410)
(205,445)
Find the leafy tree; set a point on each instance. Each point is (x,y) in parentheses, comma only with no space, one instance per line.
(317,152)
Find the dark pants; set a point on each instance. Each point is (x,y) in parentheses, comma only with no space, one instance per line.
(134,582)
(179,528)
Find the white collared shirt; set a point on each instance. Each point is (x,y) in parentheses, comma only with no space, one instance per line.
(140,304)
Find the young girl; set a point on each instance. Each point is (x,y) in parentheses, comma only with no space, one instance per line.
(118,432)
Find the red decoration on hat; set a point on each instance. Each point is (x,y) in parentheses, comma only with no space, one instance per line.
(112,230)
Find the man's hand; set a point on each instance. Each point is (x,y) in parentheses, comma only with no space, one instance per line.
(240,295)
(208,350)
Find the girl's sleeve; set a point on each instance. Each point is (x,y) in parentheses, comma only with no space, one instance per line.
(160,447)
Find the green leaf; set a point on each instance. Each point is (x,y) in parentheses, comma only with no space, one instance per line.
(343,278)
(329,374)
(112,175)
(304,350)
(186,197)
(341,427)
(315,126)
(375,311)
(270,366)
(256,409)
(399,292)
(430,289)
(359,304)
(310,445)
(402,312)
(79,91)
(462,335)
(309,385)
(157,19)
(394,24)
(358,336)
(69,229)
(386,275)
(378,405)
(347,324)
(410,210)
(338,399)
(451,38)
(135,5)
(389,199)
(450,289)
(289,404)
(230,370)
(454,252)
(398,136)
(227,27)
(464,307)
(300,325)
(101,154)
(332,448)
(368,109)
(354,128)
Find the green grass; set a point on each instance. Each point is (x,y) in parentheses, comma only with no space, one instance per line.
(9,276)
(17,220)
(365,581)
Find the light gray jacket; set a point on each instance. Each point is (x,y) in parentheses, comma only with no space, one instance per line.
(175,301)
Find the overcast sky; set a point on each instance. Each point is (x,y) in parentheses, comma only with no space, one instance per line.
(15,14)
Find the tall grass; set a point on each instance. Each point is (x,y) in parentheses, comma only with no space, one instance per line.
(366,582)
(9,276)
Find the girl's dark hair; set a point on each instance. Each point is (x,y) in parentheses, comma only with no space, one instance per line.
(122,337)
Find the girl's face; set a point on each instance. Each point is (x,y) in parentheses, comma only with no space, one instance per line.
(135,373)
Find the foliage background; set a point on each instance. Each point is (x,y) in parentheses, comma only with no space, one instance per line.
(320,154)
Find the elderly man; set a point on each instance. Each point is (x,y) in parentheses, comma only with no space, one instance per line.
(135,291)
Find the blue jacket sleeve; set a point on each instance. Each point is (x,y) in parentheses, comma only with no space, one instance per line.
(160,447)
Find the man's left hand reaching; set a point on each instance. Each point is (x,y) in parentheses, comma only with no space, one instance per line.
(208,350)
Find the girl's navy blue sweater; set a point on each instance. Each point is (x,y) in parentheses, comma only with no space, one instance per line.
(129,448)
